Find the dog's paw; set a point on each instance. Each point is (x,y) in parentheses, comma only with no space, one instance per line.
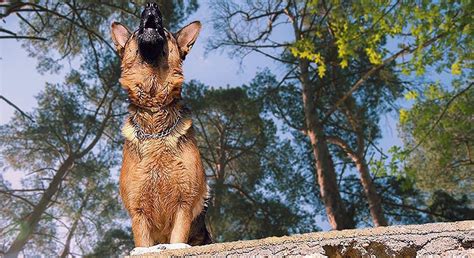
(157,248)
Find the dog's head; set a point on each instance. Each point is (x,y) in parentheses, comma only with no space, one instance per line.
(152,58)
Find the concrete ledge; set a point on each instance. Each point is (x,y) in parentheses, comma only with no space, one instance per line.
(446,239)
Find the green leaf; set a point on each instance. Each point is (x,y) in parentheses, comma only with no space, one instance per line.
(411,95)
(456,68)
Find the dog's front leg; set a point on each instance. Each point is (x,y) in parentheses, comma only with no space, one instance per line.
(181,225)
(141,230)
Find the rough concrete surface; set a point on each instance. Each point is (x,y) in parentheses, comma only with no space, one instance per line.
(434,240)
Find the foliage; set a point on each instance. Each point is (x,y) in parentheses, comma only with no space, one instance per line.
(82,28)
(401,200)
(344,70)
(68,146)
(431,31)
(439,153)
(445,207)
(248,167)
(341,57)
(68,119)
(115,242)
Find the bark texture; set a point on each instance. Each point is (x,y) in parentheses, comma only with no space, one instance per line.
(373,198)
(356,120)
(445,239)
(326,175)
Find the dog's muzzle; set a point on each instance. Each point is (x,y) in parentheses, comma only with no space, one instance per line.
(151,35)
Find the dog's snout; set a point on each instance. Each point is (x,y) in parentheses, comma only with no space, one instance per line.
(151,9)
(151,5)
(151,14)
(151,35)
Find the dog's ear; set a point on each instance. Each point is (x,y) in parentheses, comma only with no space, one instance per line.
(187,36)
(120,35)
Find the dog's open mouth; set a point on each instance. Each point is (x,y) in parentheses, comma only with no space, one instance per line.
(150,24)
(151,35)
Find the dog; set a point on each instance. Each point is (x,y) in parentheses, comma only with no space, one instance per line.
(162,180)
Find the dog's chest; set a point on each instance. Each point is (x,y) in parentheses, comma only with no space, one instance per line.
(156,160)
(159,175)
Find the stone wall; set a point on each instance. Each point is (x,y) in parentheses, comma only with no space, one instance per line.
(447,239)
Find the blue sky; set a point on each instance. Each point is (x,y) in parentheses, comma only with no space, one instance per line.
(20,82)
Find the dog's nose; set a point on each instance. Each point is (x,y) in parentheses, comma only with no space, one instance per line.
(151,11)
(151,5)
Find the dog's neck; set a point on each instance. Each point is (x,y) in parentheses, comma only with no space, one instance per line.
(156,120)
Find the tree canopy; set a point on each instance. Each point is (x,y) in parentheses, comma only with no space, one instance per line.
(247,166)
(295,146)
(345,61)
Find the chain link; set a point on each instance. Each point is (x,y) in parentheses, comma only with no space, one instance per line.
(141,135)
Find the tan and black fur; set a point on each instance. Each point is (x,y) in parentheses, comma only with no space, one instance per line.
(162,180)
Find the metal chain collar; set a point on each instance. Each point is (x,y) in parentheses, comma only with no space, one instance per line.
(141,135)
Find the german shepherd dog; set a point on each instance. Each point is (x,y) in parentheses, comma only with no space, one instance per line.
(162,180)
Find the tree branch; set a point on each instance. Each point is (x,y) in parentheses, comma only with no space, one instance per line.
(445,109)
(374,69)
(17,108)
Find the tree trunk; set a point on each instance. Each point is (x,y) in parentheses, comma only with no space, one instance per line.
(373,198)
(218,188)
(214,211)
(72,230)
(29,225)
(335,210)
